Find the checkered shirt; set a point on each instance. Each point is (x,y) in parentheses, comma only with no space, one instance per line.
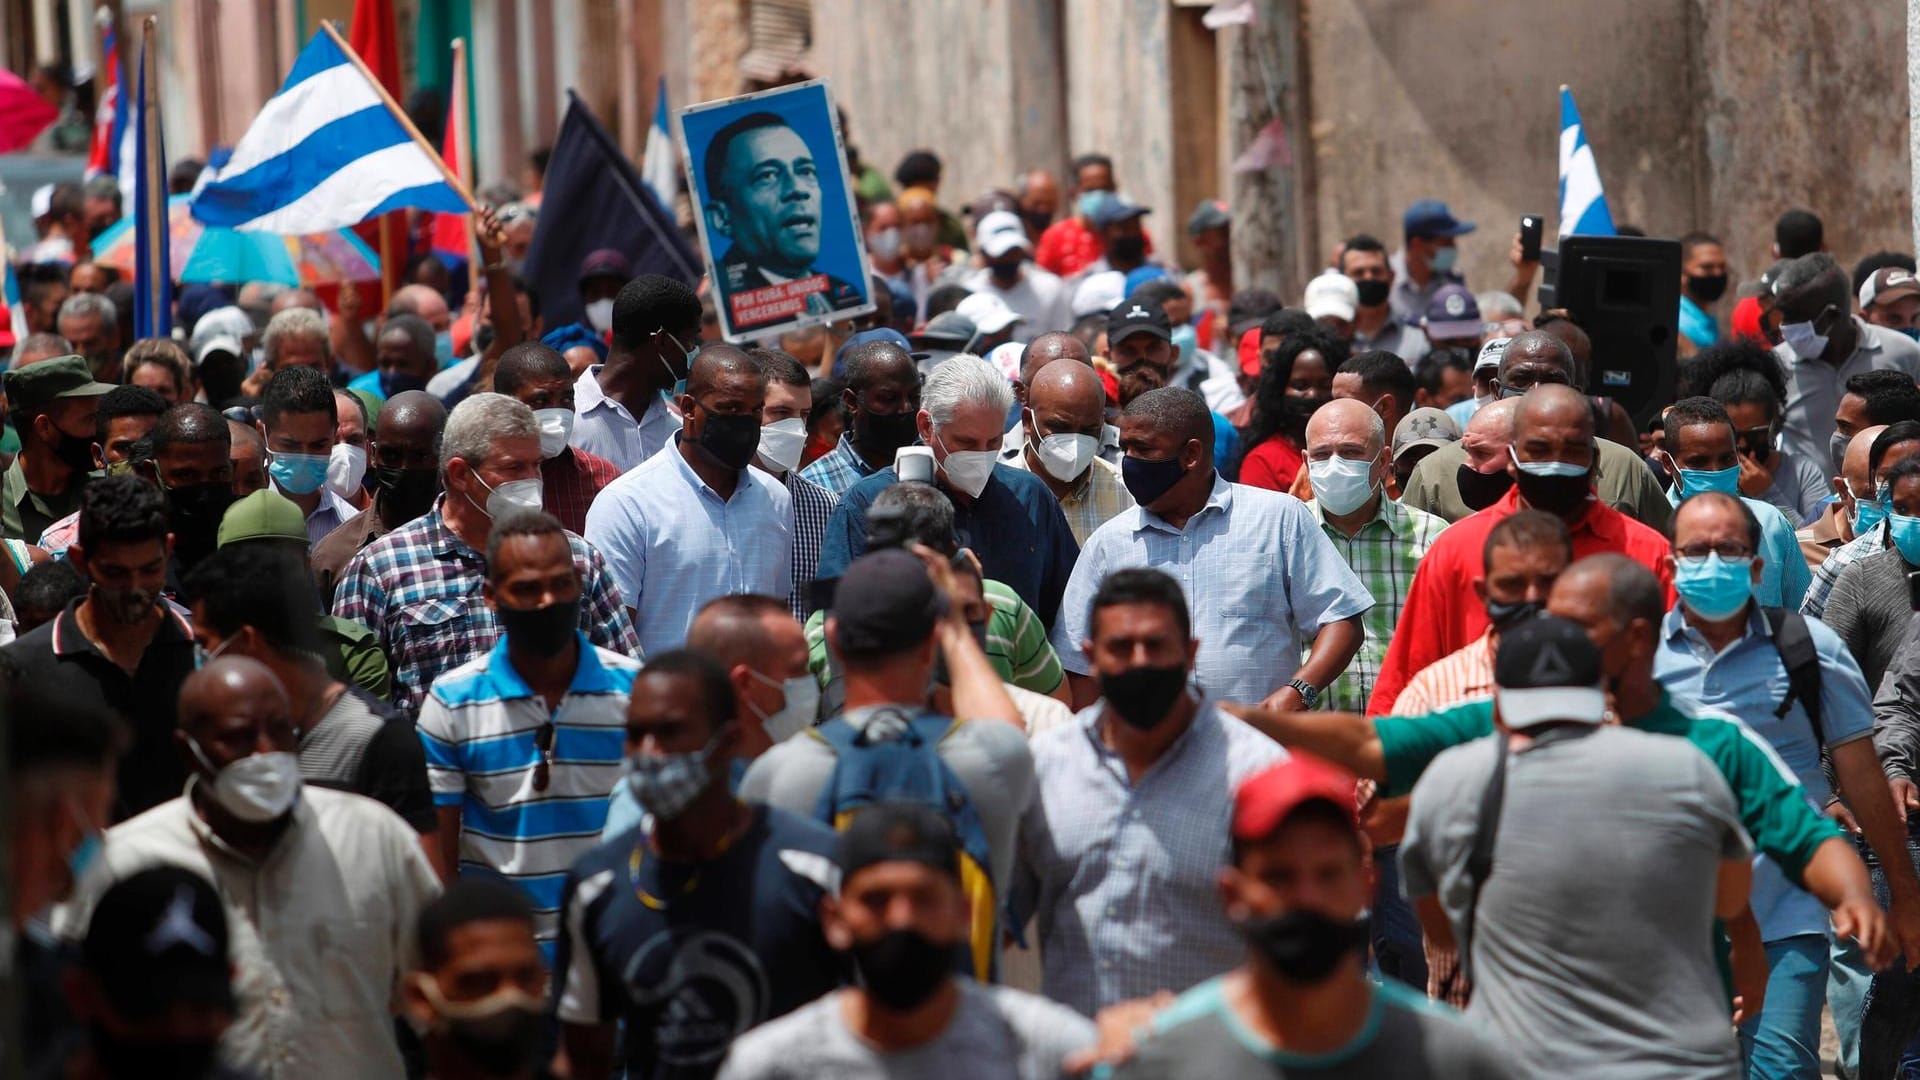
(1383,555)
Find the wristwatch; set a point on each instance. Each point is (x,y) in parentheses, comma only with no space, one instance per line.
(1309,693)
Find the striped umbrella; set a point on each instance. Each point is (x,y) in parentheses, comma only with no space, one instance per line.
(207,253)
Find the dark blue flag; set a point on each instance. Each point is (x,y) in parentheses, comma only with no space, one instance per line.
(594,198)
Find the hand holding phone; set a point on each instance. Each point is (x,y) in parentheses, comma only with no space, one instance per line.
(1530,228)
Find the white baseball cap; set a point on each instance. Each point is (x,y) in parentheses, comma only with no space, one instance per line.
(1332,294)
(999,233)
(989,313)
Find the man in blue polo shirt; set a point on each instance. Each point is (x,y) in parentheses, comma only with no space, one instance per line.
(1005,515)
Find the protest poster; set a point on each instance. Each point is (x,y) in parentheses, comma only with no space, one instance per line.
(768,176)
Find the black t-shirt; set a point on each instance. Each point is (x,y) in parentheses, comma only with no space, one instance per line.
(690,957)
(57,659)
(370,748)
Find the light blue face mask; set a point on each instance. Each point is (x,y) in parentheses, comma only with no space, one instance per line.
(1443,259)
(680,381)
(298,474)
(1715,588)
(1697,481)
(1904,531)
(83,857)
(1186,340)
(1866,514)
(443,347)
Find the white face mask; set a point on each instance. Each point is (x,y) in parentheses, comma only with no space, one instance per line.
(1342,485)
(556,428)
(782,442)
(346,467)
(800,711)
(256,789)
(1066,456)
(968,470)
(1800,337)
(510,496)
(885,243)
(600,315)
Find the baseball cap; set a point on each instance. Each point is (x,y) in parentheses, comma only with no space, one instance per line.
(1268,797)
(1546,669)
(264,515)
(1248,352)
(1098,293)
(156,938)
(1250,307)
(1491,354)
(41,201)
(947,330)
(1452,313)
(899,831)
(1209,214)
(886,334)
(1430,218)
(999,233)
(885,603)
(37,385)
(989,313)
(1424,426)
(1114,209)
(1888,283)
(604,262)
(1332,294)
(1132,317)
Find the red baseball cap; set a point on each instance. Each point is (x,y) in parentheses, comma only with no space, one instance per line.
(1266,798)
(1249,350)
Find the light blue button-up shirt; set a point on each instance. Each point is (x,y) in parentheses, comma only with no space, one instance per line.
(1261,580)
(672,543)
(1749,680)
(1121,876)
(1784,576)
(604,427)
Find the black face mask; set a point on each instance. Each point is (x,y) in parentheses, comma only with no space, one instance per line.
(1304,946)
(159,1060)
(504,1044)
(1708,288)
(74,452)
(1480,490)
(1143,696)
(732,440)
(1301,409)
(1004,274)
(1037,222)
(194,513)
(1127,249)
(543,631)
(405,494)
(1505,617)
(885,435)
(1148,480)
(1373,293)
(1557,495)
(901,968)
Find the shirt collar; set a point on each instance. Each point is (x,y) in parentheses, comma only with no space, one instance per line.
(589,675)
(69,640)
(1388,513)
(845,446)
(437,535)
(747,482)
(1674,624)
(1220,498)
(203,832)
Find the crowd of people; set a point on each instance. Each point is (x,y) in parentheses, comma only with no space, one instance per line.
(1074,665)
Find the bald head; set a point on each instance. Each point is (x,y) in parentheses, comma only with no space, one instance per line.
(1048,347)
(1343,426)
(1494,420)
(1535,358)
(424,301)
(1550,405)
(1073,388)
(1855,466)
(720,363)
(226,690)
(1610,583)
(295,298)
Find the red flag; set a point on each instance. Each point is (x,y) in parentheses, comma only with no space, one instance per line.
(373,36)
(450,230)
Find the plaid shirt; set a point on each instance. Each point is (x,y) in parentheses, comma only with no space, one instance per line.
(812,508)
(418,589)
(568,483)
(839,468)
(1099,498)
(1871,542)
(1383,554)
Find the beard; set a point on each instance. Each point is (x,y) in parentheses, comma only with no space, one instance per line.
(1139,379)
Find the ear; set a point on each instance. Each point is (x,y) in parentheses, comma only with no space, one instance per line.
(1193,653)
(849,401)
(77,555)
(1480,589)
(741,676)
(99,456)
(1086,650)
(718,219)
(414,1004)
(183,748)
(1199,451)
(1665,567)
(487,594)
(1230,883)
(1759,561)
(261,427)
(838,936)
(923,422)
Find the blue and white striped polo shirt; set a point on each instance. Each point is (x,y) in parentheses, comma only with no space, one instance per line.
(480,725)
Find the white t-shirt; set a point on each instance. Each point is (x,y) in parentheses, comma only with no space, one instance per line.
(1040,298)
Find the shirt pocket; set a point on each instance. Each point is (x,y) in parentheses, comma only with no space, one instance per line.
(429,618)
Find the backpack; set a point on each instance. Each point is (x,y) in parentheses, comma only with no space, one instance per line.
(1795,644)
(909,767)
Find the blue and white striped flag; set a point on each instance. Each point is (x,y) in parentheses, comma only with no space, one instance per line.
(659,164)
(1583,206)
(325,152)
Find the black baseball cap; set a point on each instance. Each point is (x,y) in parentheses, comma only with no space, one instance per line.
(1136,316)
(1547,669)
(885,604)
(159,937)
(899,831)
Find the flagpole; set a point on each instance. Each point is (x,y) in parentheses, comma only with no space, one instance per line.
(153,194)
(463,143)
(406,122)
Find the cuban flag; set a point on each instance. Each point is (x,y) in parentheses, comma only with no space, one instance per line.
(328,151)
(659,164)
(111,151)
(1583,206)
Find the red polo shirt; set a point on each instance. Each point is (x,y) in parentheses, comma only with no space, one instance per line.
(1442,614)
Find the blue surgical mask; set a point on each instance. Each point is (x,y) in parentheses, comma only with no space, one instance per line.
(1867,513)
(1088,202)
(298,474)
(1715,588)
(443,347)
(680,381)
(1696,481)
(1912,332)
(1904,531)
(1186,340)
(1443,259)
(82,857)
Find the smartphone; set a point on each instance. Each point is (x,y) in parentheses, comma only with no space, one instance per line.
(914,463)
(1530,225)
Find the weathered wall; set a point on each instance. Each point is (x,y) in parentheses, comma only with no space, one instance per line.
(1119,100)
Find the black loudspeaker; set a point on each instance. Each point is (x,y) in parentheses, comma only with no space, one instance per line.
(1624,291)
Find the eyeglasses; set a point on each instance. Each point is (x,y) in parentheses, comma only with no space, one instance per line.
(1731,551)
(543,769)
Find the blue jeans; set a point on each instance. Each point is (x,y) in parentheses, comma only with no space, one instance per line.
(1397,949)
(1783,1042)
(1847,981)
(1890,1010)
